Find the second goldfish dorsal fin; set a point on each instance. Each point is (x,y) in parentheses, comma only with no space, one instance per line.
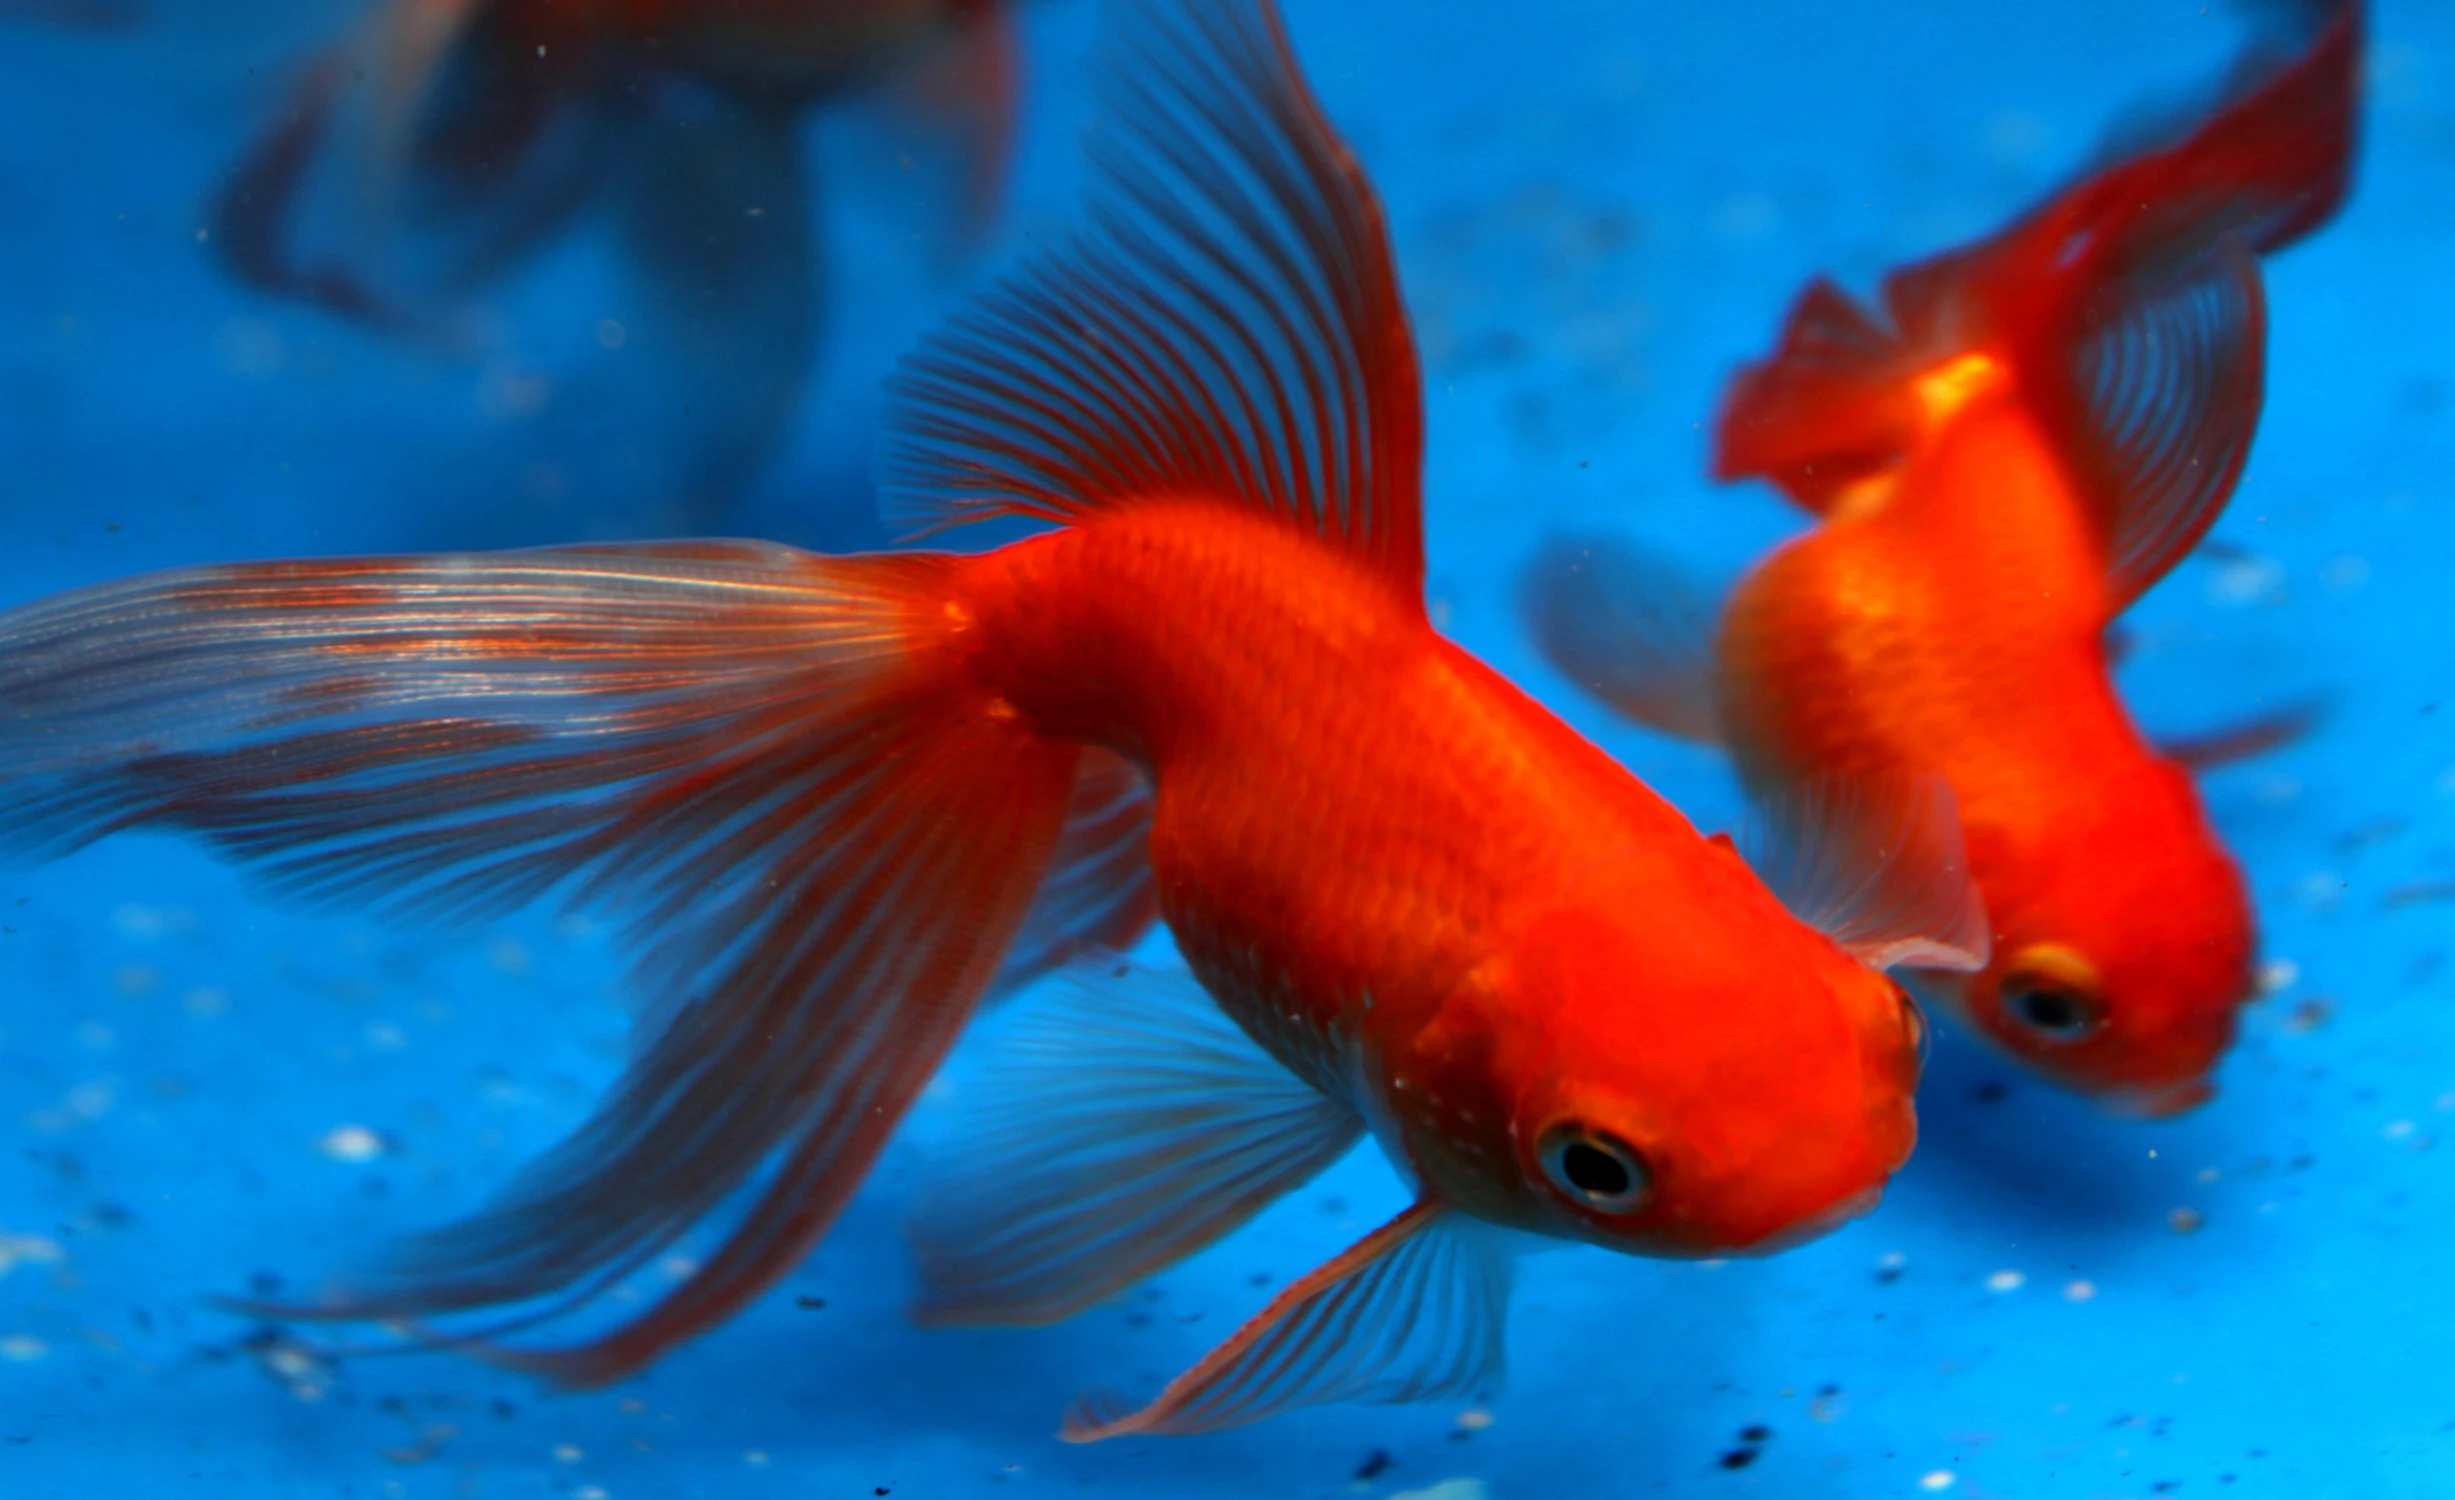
(1832,406)
(1120,1127)
(1415,1309)
(1629,627)
(1876,863)
(1229,328)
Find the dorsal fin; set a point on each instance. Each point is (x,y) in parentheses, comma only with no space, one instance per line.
(1229,327)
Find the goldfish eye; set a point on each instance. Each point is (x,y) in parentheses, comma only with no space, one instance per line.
(1596,1170)
(2051,1009)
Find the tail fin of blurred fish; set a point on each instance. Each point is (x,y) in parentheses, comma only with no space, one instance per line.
(2128,306)
(483,121)
(769,761)
(76,15)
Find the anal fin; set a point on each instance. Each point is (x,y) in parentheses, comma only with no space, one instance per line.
(1416,1309)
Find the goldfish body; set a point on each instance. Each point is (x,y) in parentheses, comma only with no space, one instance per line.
(844,796)
(2046,422)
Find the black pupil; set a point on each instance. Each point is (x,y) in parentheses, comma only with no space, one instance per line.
(1591,1169)
(2049,1011)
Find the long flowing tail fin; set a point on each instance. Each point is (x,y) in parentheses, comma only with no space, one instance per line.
(2128,306)
(828,838)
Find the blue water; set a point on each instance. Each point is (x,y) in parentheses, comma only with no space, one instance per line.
(1599,207)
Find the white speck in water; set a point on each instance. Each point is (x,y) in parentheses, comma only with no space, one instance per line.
(2005,1281)
(2244,579)
(351,1143)
(565,1453)
(1938,1479)
(1475,1419)
(754,1457)
(205,1000)
(2345,573)
(22,1348)
(383,1036)
(589,1492)
(2277,974)
(1447,1489)
(2080,1291)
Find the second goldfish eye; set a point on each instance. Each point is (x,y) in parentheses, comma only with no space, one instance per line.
(2052,1010)
(1598,1170)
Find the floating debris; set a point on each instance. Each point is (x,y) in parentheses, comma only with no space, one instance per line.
(1475,1419)
(1937,1479)
(1448,1489)
(2309,1016)
(1375,1464)
(22,1348)
(1890,1265)
(2006,1281)
(28,1250)
(351,1143)
(431,1441)
(307,1375)
(2186,1220)
(2080,1291)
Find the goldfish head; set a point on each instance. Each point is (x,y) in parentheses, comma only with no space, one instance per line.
(1730,1085)
(2120,957)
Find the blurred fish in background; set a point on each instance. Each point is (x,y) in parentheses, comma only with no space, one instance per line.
(82,15)
(416,167)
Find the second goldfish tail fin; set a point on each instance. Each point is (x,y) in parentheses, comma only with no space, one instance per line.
(2128,305)
(1228,329)
(2144,347)
(765,759)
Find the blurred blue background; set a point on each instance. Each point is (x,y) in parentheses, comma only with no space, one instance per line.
(1599,208)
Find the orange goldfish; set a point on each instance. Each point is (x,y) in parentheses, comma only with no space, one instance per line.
(840,795)
(417,165)
(2037,428)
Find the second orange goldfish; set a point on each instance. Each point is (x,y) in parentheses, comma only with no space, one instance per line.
(2029,435)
